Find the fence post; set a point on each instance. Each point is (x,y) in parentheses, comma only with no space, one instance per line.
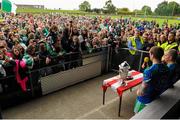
(31,83)
(108,58)
(140,61)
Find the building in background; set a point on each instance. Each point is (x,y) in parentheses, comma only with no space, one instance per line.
(29,6)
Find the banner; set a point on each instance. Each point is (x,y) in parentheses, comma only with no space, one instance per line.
(8,6)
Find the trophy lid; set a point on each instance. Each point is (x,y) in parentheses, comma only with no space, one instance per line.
(124,65)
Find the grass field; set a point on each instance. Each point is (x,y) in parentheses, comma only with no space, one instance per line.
(158,20)
(20,10)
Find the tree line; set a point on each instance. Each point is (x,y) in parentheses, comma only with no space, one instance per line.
(164,8)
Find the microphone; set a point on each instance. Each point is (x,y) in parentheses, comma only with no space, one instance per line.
(146,59)
(145,63)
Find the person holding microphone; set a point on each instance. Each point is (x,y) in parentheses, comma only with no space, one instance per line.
(154,76)
(145,63)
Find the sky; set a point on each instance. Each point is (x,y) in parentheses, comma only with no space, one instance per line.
(74,4)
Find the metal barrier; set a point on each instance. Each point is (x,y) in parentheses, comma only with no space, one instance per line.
(105,59)
(41,78)
(92,65)
(123,54)
(67,71)
(107,55)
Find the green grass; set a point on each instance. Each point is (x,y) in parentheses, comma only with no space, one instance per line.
(29,10)
(160,21)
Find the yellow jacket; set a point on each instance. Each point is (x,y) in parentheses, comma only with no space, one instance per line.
(132,39)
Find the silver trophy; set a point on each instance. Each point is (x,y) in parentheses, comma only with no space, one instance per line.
(123,72)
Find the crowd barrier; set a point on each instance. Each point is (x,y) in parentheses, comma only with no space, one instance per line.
(123,54)
(62,72)
(67,70)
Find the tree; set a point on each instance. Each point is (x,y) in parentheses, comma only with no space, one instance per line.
(109,7)
(147,10)
(97,10)
(85,6)
(162,8)
(137,12)
(165,8)
(174,8)
(125,9)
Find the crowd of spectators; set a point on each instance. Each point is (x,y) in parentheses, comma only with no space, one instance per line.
(35,41)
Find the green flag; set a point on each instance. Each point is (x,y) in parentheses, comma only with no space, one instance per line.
(8,6)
